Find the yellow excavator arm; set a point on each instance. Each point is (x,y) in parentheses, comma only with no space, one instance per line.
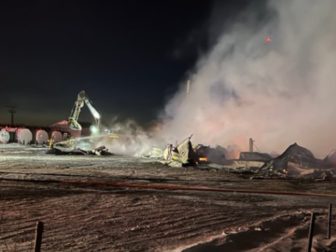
(79,103)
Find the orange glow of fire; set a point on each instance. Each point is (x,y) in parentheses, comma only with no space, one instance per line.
(203,159)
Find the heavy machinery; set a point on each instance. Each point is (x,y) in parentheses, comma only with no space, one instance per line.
(79,103)
(72,144)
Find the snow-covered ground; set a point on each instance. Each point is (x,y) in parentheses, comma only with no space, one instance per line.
(88,204)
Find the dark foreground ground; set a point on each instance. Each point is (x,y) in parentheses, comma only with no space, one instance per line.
(128,204)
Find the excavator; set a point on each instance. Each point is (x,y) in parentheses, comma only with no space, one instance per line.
(71,144)
(79,103)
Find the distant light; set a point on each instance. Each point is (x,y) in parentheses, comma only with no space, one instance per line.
(267,40)
(94,130)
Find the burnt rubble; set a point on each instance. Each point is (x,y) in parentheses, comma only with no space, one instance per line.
(296,161)
(211,155)
(99,151)
(254,156)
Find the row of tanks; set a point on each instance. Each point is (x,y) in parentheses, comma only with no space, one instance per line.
(70,129)
(28,136)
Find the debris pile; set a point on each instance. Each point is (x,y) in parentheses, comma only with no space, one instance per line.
(330,160)
(181,155)
(99,151)
(254,156)
(296,161)
(185,154)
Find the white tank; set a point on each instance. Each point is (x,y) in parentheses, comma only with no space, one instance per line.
(41,137)
(56,136)
(24,136)
(4,136)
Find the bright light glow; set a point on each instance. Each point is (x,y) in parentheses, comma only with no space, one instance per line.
(267,39)
(94,130)
(94,112)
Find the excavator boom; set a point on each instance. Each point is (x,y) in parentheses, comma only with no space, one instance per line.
(79,103)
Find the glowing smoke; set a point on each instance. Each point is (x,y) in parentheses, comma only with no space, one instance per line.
(128,138)
(278,93)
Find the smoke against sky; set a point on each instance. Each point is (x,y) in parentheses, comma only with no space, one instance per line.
(277,93)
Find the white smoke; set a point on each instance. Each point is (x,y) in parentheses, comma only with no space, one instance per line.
(278,93)
(128,138)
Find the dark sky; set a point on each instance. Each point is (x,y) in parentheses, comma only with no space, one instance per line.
(129,56)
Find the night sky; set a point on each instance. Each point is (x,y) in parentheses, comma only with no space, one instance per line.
(129,56)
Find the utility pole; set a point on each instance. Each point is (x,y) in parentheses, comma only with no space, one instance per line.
(12,111)
(251,141)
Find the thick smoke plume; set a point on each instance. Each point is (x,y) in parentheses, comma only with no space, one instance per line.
(129,138)
(278,93)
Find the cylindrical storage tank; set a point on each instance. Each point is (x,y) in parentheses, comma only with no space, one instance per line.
(4,136)
(56,136)
(12,133)
(24,136)
(41,137)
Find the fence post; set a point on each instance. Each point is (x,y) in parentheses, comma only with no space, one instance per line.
(329,221)
(38,236)
(311,232)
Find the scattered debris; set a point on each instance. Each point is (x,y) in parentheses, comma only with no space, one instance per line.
(330,160)
(296,161)
(254,156)
(99,151)
(185,154)
(181,155)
